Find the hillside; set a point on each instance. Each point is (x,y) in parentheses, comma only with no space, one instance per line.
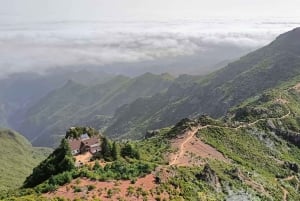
(17,159)
(125,108)
(250,154)
(19,91)
(214,94)
(78,104)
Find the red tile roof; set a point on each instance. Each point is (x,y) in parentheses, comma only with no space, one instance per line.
(91,141)
(79,144)
(75,144)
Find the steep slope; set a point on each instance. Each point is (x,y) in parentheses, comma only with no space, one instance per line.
(261,138)
(76,104)
(280,106)
(17,159)
(215,94)
(20,91)
(250,154)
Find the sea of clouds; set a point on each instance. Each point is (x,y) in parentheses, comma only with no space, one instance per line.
(46,45)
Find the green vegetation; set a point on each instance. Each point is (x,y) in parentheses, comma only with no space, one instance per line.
(259,163)
(259,150)
(251,172)
(78,104)
(181,126)
(187,184)
(248,77)
(262,153)
(154,149)
(106,149)
(259,137)
(113,151)
(126,162)
(59,161)
(265,106)
(76,132)
(117,170)
(129,151)
(126,108)
(18,158)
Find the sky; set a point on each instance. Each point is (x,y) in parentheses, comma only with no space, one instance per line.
(41,34)
(56,10)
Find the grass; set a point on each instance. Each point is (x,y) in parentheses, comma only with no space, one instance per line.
(259,158)
(258,150)
(18,158)
(154,149)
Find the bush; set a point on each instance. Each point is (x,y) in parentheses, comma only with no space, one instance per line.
(61,179)
(59,161)
(129,151)
(91,187)
(77,189)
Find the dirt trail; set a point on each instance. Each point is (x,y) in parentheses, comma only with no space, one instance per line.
(255,122)
(285,193)
(188,143)
(190,135)
(289,178)
(296,87)
(280,100)
(192,151)
(206,149)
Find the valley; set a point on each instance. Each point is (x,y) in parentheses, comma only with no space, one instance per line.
(126,108)
(231,135)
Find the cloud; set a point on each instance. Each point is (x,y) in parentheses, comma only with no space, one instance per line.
(38,47)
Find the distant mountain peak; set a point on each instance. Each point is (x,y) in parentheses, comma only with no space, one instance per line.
(216,93)
(289,40)
(167,76)
(293,33)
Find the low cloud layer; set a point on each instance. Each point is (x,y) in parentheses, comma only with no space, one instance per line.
(38,47)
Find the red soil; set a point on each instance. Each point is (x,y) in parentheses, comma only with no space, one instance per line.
(192,151)
(119,189)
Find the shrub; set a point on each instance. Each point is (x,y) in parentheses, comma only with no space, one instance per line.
(59,161)
(91,187)
(129,151)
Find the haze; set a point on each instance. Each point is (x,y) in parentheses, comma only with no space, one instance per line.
(41,10)
(42,34)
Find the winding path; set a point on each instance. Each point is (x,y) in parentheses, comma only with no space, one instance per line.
(258,120)
(190,134)
(285,193)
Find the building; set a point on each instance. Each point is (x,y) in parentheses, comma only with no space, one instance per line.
(85,144)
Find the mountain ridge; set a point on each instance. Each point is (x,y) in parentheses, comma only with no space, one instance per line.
(214,95)
(76,103)
(232,167)
(18,157)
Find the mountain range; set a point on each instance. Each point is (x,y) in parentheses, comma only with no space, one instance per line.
(213,94)
(231,135)
(127,108)
(75,104)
